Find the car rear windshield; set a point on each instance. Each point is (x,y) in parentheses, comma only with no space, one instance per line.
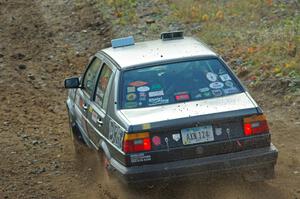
(175,83)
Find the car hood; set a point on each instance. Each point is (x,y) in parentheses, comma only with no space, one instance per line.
(188,109)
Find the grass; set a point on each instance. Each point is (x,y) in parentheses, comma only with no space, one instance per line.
(257,36)
(260,39)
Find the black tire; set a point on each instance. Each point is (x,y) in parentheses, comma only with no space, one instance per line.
(77,139)
(106,168)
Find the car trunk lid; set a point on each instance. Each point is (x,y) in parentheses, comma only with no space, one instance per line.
(193,129)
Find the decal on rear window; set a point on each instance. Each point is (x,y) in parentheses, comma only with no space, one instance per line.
(142,96)
(211,76)
(229,83)
(138,83)
(130,89)
(131,97)
(175,83)
(225,77)
(182,96)
(157,101)
(215,85)
(156,93)
(131,104)
(143,89)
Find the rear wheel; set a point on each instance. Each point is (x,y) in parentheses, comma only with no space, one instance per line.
(104,165)
(78,141)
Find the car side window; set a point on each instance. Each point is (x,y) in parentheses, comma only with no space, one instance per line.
(90,78)
(102,87)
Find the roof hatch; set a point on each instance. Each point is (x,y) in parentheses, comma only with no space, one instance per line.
(171,35)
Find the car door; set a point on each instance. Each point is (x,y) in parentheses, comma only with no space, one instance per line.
(84,94)
(97,114)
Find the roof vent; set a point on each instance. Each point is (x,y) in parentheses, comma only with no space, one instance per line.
(171,35)
(121,42)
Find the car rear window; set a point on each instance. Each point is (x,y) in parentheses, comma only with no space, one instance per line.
(175,83)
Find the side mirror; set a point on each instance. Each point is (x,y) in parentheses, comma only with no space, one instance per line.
(72,82)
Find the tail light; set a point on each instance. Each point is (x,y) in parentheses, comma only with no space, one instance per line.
(256,124)
(137,142)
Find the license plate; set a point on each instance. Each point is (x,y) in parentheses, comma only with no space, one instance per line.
(197,135)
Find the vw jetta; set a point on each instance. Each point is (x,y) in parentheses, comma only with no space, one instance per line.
(168,108)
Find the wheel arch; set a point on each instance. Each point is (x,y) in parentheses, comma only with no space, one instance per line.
(103,146)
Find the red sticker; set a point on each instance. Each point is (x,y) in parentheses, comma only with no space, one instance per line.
(81,102)
(138,83)
(182,97)
(156,140)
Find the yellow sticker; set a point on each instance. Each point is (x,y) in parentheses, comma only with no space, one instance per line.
(90,109)
(146,126)
(131,97)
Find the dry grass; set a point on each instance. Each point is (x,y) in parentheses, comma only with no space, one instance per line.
(261,35)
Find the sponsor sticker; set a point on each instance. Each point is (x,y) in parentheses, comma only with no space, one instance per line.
(146,126)
(198,96)
(205,89)
(231,90)
(130,89)
(81,102)
(217,92)
(221,71)
(176,137)
(142,96)
(216,85)
(157,101)
(100,93)
(98,100)
(131,97)
(156,93)
(207,94)
(211,76)
(143,89)
(138,83)
(94,116)
(131,104)
(218,131)
(156,87)
(229,83)
(77,100)
(140,157)
(115,134)
(156,140)
(225,77)
(182,96)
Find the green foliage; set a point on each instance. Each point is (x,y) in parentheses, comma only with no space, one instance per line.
(123,10)
(264,34)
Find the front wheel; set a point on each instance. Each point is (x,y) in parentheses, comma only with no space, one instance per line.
(77,139)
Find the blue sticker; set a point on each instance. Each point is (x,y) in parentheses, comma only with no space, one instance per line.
(231,90)
(217,92)
(131,104)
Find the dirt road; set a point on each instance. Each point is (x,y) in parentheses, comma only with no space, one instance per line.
(44,41)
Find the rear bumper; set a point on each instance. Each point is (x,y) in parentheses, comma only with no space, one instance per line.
(250,159)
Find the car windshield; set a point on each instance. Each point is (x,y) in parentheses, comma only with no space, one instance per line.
(175,83)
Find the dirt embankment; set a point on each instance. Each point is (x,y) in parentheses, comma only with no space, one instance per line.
(44,41)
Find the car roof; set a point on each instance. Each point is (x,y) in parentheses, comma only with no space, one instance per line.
(157,50)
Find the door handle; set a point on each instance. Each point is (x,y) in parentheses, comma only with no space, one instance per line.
(85,107)
(99,122)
